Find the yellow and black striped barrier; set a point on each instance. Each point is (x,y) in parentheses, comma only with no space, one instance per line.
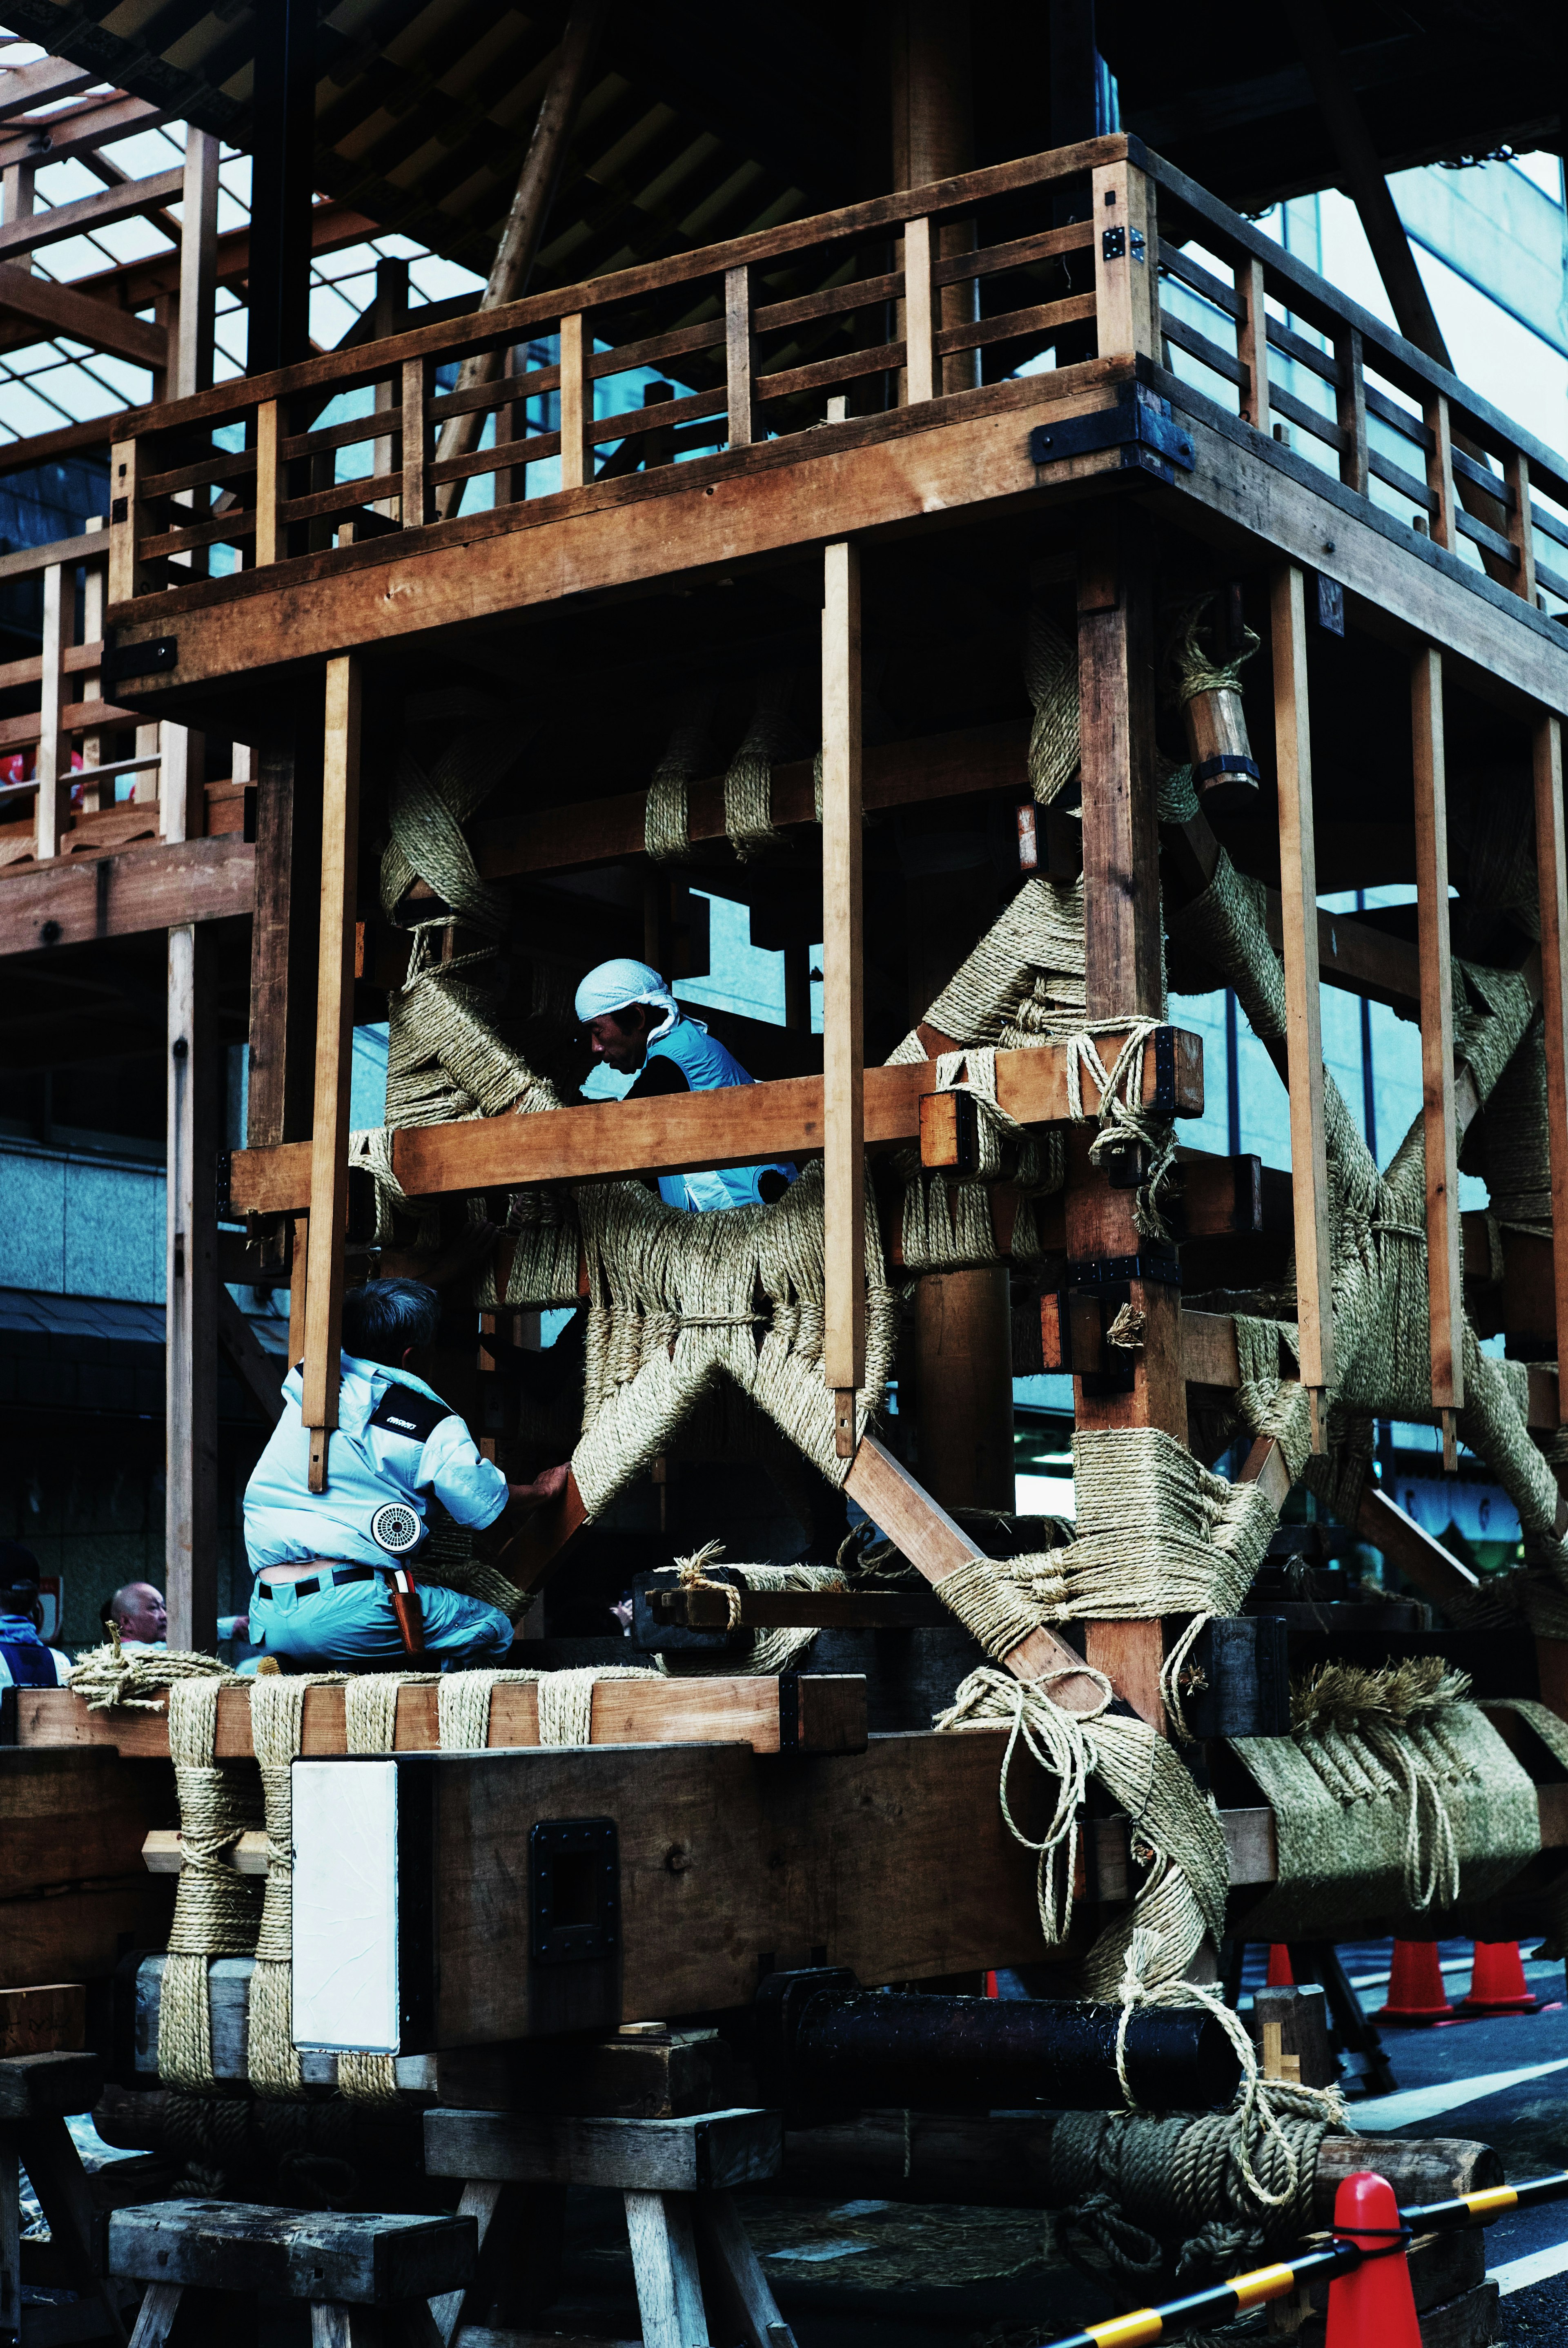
(1223,2300)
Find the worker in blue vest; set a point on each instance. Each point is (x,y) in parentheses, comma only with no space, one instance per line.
(634,1022)
(333,1587)
(24,1660)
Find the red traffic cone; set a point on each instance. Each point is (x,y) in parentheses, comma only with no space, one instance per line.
(1279,1975)
(1374,2307)
(1497,1980)
(1416,1991)
(992,1989)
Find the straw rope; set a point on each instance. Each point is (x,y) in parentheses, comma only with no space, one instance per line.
(217,1910)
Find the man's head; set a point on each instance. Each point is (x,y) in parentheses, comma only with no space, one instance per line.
(386,1319)
(19,1583)
(138,1612)
(623,1006)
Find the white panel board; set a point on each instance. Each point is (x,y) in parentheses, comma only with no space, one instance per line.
(346,1905)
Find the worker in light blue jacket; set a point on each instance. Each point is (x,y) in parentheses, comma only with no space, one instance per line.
(634,1022)
(333,1587)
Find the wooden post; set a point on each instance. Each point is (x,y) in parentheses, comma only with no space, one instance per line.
(1444,1291)
(270,541)
(415,458)
(844,1213)
(125,519)
(1440,468)
(1303,1029)
(1126,279)
(920,350)
(1252,344)
(334,1054)
(95,584)
(1521,528)
(1122,934)
(1552,866)
(181,782)
(930,52)
(191,1365)
(389,313)
(198,264)
(53,764)
(1350,408)
(576,406)
(739,358)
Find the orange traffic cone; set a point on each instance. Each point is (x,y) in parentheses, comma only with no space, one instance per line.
(1374,2307)
(1416,1991)
(1279,1975)
(1497,1980)
(991,1989)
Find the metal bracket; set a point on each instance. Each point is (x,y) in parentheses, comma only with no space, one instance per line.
(153,658)
(1139,424)
(222,1172)
(574,1890)
(1112,1271)
(1226,762)
(1113,244)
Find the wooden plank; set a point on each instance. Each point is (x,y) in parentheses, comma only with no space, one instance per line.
(1440,469)
(49,2085)
(935,1546)
(1251,345)
(843,996)
(711,1710)
(1299,916)
(118,895)
(747,1124)
(739,2293)
(46,2018)
(195,1092)
(1438,1576)
(335,1045)
(576,406)
(414,509)
(296,2254)
(740,356)
(75,219)
(839,1610)
(283,943)
(1120,838)
(270,538)
(1444,1277)
(82,1934)
(659,2227)
(63,309)
(1520,531)
(715,2149)
(1552,868)
(53,757)
(919,320)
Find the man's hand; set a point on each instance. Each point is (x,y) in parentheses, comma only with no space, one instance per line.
(547,1486)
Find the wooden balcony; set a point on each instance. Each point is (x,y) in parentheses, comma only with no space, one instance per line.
(890,303)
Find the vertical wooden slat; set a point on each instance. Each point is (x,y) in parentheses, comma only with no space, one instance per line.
(576,405)
(198,264)
(739,359)
(190,1353)
(125,519)
(334,1052)
(95,589)
(1126,294)
(280,1094)
(1298,894)
(54,759)
(1443,1272)
(1351,407)
(919,351)
(843,1233)
(147,784)
(180,781)
(1521,528)
(270,547)
(1551,864)
(1440,469)
(416,458)
(1251,345)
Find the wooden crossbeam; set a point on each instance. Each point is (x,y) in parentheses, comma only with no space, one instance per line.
(124,202)
(62,310)
(744,1125)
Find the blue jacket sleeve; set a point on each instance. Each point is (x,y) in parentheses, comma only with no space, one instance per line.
(472,1490)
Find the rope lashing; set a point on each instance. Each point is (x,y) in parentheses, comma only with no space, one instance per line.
(666,823)
(277,1728)
(426,814)
(1189,668)
(217,1910)
(748,780)
(111,1679)
(770,1652)
(1050,678)
(1119,1107)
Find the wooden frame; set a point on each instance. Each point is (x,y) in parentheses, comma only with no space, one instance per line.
(843,995)
(1444,1281)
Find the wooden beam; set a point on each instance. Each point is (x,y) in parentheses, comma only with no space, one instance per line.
(53,761)
(334,1052)
(1421,1560)
(935,1546)
(63,311)
(198,188)
(49,80)
(842,999)
(1553,871)
(1252,344)
(195,1091)
(1444,1276)
(121,893)
(87,212)
(78,129)
(1298,914)
(744,1125)
(283,942)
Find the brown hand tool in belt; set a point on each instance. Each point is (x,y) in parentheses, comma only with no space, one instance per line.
(409,1612)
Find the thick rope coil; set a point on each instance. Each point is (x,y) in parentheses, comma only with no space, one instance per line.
(426,815)
(1051,677)
(748,782)
(1189,669)
(277,1729)
(666,824)
(111,1679)
(770,1652)
(217,1910)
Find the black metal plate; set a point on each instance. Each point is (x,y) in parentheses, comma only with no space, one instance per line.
(574,1890)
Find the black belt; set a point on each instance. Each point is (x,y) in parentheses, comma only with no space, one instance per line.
(326,1580)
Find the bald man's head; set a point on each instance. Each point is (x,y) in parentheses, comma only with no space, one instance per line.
(139,1612)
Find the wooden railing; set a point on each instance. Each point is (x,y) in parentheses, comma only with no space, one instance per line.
(898,298)
(59,806)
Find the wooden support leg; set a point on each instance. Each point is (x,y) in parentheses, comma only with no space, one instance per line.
(843,1041)
(54,2164)
(961,1344)
(155,2323)
(334,1050)
(336,2325)
(518,2268)
(195,1094)
(664,2258)
(738,2294)
(1122,940)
